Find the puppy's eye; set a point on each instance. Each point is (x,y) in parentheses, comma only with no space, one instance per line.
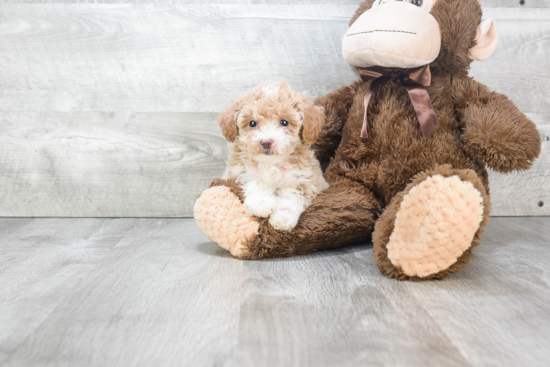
(417,2)
(253,123)
(284,123)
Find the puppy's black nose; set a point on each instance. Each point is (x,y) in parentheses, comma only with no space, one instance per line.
(266,144)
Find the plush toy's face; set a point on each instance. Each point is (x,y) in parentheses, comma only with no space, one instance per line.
(412,33)
(393,34)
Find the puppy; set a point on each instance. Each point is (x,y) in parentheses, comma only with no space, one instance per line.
(272,128)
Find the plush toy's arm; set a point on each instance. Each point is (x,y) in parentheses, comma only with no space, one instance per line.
(494,128)
(336,105)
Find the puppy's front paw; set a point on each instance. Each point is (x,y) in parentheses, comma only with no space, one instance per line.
(260,207)
(284,219)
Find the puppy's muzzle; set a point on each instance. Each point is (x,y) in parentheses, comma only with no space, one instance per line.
(266,144)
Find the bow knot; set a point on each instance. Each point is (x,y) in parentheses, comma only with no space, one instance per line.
(415,81)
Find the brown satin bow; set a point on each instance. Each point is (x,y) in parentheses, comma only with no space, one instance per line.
(415,81)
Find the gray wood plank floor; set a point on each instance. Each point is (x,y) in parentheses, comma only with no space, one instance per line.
(144,292)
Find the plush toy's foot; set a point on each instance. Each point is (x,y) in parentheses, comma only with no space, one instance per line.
(222,217)
(428,230)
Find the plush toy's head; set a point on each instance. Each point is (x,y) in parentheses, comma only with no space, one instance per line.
(447,34)
(271,121)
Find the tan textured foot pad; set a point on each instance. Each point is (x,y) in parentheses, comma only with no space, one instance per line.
(222,217)
(436,223)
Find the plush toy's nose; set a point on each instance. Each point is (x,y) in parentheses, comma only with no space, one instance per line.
(266,144)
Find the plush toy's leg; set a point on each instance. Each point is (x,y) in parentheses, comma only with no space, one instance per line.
(429,230)
(220,214)
(343,214)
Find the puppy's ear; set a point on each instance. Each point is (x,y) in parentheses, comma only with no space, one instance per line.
(228,123)
(313,119)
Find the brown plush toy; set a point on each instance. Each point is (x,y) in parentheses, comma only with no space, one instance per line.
(410,171)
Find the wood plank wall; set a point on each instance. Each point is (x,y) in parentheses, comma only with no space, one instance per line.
(108,108)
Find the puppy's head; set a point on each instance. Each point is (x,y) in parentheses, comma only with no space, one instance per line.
(272,120)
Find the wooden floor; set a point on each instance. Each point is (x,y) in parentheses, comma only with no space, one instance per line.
(156,292)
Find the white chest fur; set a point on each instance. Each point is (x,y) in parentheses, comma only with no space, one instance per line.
(273,175)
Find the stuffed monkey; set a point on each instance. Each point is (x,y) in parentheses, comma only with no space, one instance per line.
(406,147)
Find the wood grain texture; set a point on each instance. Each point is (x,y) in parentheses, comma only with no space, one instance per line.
(525,193)
(47,259)
(192,58)
(107,164)
(141,292)
(485,3)
(109,109)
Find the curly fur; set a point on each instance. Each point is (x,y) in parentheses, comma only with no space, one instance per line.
(274,162)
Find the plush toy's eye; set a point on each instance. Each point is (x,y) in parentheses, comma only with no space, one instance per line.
(416,2)
(284,123)
(253,123)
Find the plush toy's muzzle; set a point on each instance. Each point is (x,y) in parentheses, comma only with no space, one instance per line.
(396,35)
(392,34)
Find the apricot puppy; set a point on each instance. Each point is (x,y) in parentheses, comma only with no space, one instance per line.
(272,128)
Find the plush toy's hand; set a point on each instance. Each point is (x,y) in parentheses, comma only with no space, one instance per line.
(499,133)
(495,129)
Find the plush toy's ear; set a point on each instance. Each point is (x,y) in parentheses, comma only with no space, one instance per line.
(228,123)
(313,119)
(487,40)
